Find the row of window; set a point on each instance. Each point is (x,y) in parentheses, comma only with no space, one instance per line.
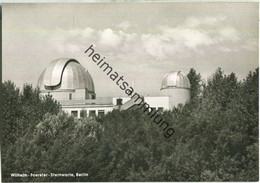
(100,113)
(92,113)
(160,109)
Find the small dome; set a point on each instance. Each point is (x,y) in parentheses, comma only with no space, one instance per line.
(65,74)
(175,79)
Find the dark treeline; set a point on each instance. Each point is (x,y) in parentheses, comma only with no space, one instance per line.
(216,137)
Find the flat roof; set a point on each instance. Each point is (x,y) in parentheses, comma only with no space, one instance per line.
(98,101)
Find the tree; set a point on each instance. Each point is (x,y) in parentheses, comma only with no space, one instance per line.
(195,82)
(23,110)
(12,112)
(215,139)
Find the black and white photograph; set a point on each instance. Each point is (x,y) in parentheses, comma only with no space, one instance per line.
(130,92)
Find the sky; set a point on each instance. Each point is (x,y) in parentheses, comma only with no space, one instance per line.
(141,41)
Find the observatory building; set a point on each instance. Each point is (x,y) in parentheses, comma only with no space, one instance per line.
(73,87)
(176,85)
(66,79)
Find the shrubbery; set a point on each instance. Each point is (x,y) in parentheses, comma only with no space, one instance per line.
(216,137)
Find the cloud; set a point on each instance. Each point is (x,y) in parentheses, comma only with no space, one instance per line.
(213,20)
(225,49)
(203,21)
(250,45)
(124,25)
(186,36)
(109,38)
(193,36)
(87,32)
(153,45)
(73,41)
(228,33)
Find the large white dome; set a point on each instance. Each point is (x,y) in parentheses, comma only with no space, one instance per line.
(65,74)
(175,79)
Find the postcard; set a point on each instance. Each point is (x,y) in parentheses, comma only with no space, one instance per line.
(130,91)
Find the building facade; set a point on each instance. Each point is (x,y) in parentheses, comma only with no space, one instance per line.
(73,87)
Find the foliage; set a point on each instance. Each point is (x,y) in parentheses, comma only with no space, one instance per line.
(215,139)
(195,81)
(23,110)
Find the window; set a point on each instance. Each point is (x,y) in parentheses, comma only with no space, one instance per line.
(92,113)
(101,113)
(70,96)
(160,109)
(74,113)
(119,101)
(93,97)
(153,109)
(83,113)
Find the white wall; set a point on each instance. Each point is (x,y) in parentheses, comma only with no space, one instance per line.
(177,96)
(160,101)
(87,109)
(124,99)
(80,94)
